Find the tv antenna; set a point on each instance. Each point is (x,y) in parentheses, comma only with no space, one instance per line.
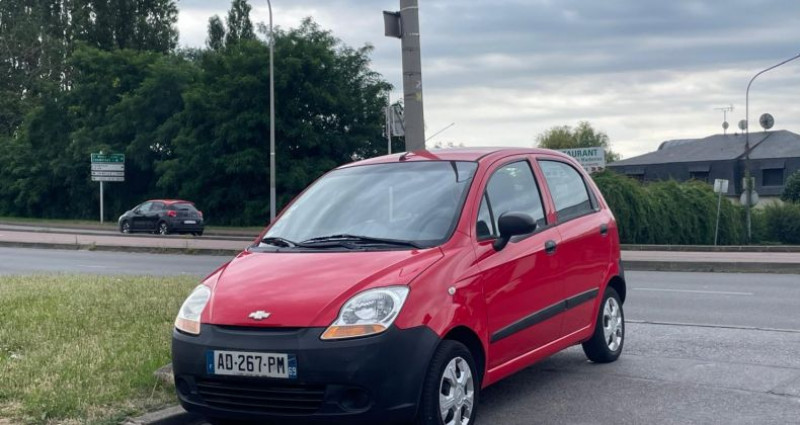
(725,110)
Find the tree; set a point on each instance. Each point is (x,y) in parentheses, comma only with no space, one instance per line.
(216,33)
(240,27)
(329,111)
(583,136)
(791,193)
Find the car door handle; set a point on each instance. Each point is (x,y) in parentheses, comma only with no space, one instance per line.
(550,247)
(604,229)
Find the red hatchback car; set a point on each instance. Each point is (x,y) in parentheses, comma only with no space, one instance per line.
(393,290)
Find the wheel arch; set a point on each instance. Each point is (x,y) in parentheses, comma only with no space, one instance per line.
(618,283)
(473,343)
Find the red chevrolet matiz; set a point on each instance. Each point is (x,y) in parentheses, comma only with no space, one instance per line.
(393,290)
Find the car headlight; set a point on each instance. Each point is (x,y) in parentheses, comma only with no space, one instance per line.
(188,319)
(368,313)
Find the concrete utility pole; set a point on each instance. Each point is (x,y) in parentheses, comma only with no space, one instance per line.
(405,26)
(272,202)
(748,180)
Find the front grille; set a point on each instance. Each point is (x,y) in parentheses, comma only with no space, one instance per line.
(262,397)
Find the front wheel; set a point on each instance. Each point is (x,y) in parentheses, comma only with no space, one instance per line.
(125,227)
(606,343)
(451,389)
(163,229)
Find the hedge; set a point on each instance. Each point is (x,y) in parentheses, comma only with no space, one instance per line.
(670,212)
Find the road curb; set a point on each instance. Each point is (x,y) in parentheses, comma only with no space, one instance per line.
(711,248)
(711,267)
(174,415)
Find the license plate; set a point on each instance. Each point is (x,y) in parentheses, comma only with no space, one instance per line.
(190,222)
(247,363)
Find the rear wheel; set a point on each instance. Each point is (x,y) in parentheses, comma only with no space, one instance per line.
(451,389)
(163,229)
(606,343)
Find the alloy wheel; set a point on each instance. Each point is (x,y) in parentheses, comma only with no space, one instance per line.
(612,324)
(457,393)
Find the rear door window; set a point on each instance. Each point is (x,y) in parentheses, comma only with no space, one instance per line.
(568,190)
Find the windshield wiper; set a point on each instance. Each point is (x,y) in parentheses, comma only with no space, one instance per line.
(368,239)
(277,241)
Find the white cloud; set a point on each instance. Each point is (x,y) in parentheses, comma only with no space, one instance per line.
(506,70)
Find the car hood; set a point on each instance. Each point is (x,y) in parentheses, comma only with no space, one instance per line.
(304,289)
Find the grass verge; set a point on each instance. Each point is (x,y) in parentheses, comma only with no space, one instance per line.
(83,349)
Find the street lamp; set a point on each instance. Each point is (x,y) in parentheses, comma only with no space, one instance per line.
(748,182)
(271,119)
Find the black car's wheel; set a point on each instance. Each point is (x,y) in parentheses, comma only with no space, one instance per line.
(163,228)
(198,234)
(451,389)
(606,343)
(125,227)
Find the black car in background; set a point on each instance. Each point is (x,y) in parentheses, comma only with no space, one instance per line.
(163,216)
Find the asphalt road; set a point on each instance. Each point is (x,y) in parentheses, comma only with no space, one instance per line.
(701,348)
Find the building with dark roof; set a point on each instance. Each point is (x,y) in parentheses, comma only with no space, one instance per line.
(774,156)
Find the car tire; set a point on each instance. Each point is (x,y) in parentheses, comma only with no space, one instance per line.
(606,343)
(125,227)
(198,234)
(452,378)
(163,228)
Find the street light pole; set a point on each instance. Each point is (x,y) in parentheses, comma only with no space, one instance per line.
(747,177)
(272,203)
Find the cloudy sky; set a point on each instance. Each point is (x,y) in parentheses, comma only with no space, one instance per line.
(503,71)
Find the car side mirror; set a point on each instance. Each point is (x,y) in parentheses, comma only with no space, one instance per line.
(513,224)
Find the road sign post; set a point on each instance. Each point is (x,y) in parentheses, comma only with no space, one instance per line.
(107,168)
(720,187)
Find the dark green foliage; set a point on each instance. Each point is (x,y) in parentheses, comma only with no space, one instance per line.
(216,33)
(240,27)
(328,112)
(193,125)
(791,193)
(782,223)
(669,212)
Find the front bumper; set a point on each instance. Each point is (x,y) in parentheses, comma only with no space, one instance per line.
(372,380)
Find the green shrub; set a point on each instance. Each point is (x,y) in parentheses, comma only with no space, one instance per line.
(791,193)
(669,212)
(782,223)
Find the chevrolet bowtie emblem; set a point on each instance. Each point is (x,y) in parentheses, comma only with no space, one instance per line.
(259,315)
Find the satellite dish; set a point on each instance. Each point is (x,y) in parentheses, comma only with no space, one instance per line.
(743,125)
(725,125)
(766,121)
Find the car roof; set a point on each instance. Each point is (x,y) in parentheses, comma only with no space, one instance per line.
(488,154)
(171,201)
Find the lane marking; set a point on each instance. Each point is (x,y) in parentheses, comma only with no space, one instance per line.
(694,291)
(92,266)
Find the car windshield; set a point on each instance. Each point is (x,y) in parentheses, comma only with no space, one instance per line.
(416,202)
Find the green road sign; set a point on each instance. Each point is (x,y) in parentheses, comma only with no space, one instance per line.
(108,158)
